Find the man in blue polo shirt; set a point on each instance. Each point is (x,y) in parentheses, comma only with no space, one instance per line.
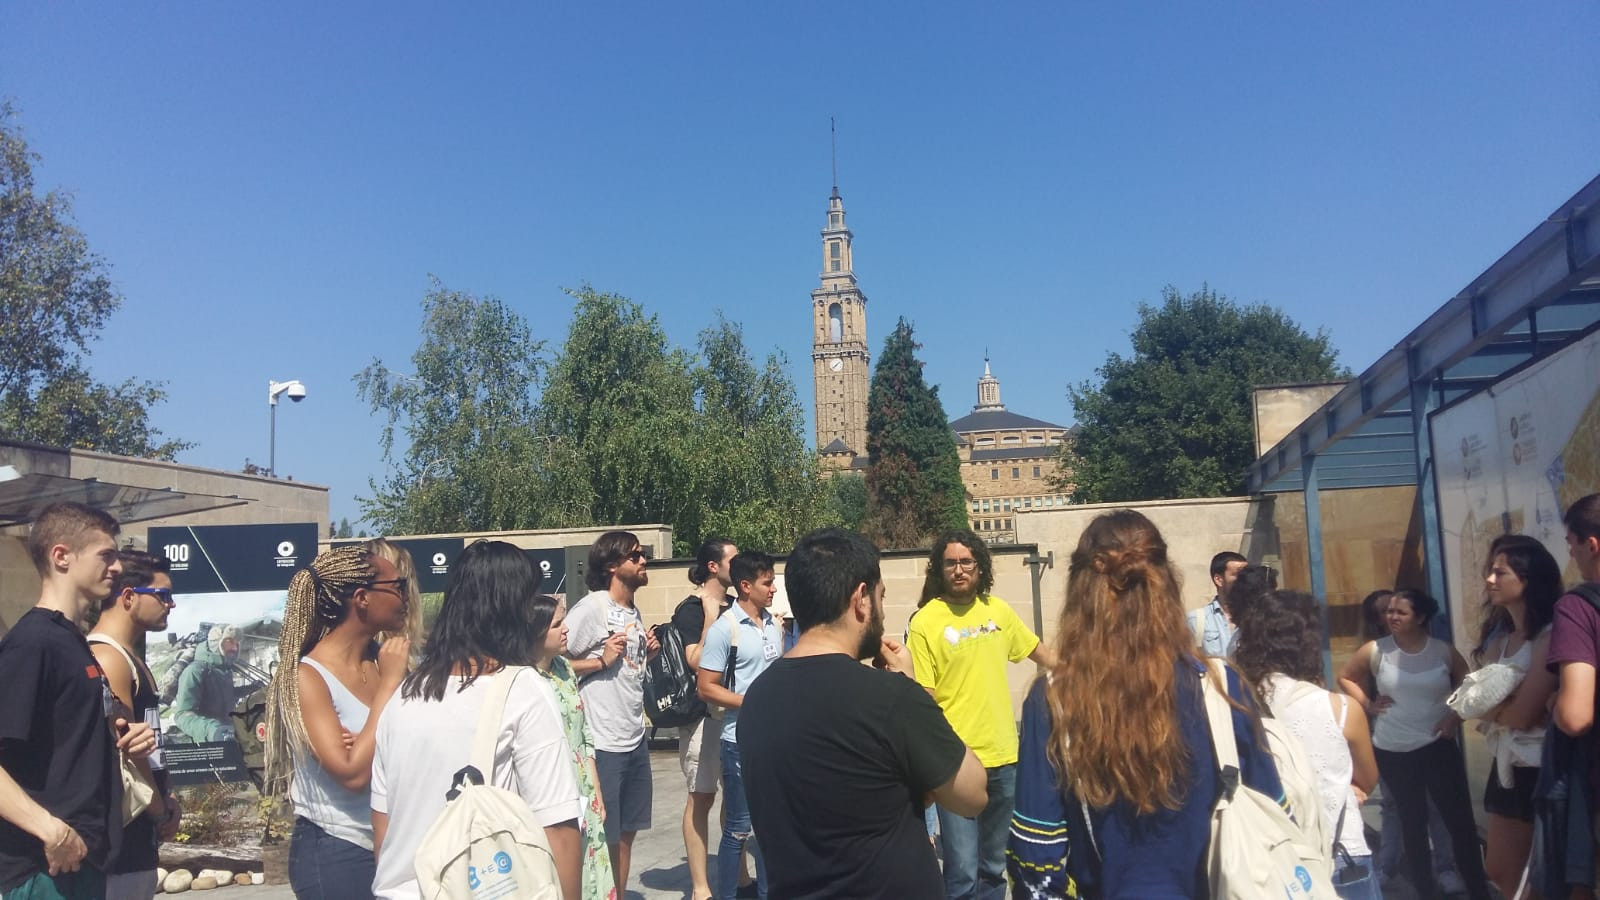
(738,647)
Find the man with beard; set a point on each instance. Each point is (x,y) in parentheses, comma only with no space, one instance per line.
(841,759)
(203,709)
(608,645)
(962,642)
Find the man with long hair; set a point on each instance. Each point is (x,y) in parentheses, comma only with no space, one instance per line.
(840,759)
(962,641)
(699,753)
(608,644)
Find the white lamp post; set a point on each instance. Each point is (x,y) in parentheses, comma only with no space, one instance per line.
(296,392)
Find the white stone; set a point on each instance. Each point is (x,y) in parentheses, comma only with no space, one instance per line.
(177,881)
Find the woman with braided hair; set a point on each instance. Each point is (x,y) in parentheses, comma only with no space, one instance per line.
(1117,774)
(330,684)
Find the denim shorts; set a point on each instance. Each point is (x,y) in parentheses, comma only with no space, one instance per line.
(625,787)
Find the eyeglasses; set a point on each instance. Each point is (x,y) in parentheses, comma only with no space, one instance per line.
(162,594)
(640,555)
(401,585)
(964,565)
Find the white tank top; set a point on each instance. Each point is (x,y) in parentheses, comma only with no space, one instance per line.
(1418,683)
(318,796)
(1306,710)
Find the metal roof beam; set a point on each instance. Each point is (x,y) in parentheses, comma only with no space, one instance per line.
(1560,254)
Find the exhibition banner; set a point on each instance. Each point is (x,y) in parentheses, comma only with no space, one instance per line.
(230,584)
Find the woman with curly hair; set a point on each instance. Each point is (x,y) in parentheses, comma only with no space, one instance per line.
(1521,586)
(1279,650)
(1117,774)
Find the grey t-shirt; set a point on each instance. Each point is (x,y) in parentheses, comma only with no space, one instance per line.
(613,698)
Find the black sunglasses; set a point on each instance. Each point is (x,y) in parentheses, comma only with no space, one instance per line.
(401,585)
(639,555)
(162,594)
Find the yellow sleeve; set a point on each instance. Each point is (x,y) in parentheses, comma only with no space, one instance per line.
(1023,640)
(923,665)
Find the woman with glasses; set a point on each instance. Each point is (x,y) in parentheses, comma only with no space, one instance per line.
(331,682)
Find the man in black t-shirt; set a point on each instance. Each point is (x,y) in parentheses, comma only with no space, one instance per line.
(699,745)
(841,759)
(60,786)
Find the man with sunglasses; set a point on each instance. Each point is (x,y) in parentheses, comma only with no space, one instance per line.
(140,600)
(962,641)
(609,644)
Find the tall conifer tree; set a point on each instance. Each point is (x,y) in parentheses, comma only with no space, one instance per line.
(914,487)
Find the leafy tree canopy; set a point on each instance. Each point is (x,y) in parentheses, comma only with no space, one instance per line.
(619,427)
(1174,419)
(55,298)
(914,487)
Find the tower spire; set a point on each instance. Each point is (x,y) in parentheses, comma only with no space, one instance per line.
(833,147)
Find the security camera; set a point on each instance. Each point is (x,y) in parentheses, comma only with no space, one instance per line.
(296,391)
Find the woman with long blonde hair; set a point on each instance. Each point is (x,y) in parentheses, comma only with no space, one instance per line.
(1117,777)
(328,688)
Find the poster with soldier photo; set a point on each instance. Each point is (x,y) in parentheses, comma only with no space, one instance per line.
(230,584)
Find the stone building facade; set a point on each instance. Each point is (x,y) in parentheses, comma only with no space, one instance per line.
(1008,462)
(840,362)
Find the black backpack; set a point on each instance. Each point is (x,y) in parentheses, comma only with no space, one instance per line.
(671,698)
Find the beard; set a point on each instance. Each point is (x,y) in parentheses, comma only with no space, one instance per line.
(872,639)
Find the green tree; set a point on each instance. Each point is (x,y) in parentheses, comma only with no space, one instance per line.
(470,458)
(55,297)
(648,433)
(627,429)
(343,531)
(914,487)
(1174,419)
(847,500)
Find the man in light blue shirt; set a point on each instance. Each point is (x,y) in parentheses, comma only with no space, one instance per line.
(1212,627)
(738,647)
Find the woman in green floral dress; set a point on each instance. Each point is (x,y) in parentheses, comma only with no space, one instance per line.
(598,883)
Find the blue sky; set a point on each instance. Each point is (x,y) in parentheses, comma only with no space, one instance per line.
(272,184)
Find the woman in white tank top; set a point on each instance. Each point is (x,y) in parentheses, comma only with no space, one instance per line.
(1407,677)
(1279,650)
(330,684)
(1522,583)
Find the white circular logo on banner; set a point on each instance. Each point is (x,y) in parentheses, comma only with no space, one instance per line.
(438,559)
(544,566)
(285,548)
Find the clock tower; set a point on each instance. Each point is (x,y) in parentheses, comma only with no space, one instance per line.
(839,349)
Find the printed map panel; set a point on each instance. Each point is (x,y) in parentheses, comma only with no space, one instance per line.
(1509,460)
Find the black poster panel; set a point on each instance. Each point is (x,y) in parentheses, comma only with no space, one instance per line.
(208,559)
(553,564)
(433,558)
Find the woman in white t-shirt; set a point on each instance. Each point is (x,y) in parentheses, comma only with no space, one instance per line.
(485,624)
(1407,677)
(1278,647)
(1521,586)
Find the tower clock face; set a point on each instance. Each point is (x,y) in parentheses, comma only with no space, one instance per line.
(836,364)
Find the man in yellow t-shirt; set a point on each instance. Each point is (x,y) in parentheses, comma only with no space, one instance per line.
(962,639)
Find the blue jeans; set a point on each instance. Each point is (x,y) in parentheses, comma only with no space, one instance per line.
(975,849)
(1365,890)
(323,867)
(736,833)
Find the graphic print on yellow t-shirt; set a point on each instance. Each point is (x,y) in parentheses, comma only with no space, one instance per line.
(960,653)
